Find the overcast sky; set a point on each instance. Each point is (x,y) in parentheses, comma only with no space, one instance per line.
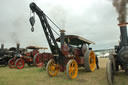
(95,20)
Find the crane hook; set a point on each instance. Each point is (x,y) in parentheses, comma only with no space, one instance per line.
(32,29)
(32,22)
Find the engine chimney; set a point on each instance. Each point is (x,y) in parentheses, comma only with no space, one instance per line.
(2,46)
(18,47)
(62,33)
(123,31)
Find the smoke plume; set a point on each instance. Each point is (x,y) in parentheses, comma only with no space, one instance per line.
(121,8)
(14,37)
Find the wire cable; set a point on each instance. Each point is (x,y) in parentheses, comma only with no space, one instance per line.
(53,22)
(55,31)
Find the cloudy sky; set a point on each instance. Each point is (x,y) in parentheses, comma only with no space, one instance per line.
(95,20)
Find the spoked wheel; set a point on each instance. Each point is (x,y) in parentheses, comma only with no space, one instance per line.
(38,60)
(110,73)
(11,63)
(72,69)
(51,68)
(89,61)
(19,63)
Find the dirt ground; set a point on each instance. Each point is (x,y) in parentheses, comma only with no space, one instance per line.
(38,76)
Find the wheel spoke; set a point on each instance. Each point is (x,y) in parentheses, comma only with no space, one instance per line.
(71,69)
(51,68)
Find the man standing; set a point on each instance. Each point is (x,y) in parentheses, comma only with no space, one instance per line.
(97,62)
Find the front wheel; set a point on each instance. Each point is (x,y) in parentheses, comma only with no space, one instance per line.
(112,59)
(51,68)
(19,63)
(38,60)
(109,73)
(11,63)
(72,69)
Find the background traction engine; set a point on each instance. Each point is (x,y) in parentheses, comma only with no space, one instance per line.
(35,57)
(5,55)
(73,52)
(32,58)
(16,54)
(119,58)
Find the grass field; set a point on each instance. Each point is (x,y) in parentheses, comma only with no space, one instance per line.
(38,76)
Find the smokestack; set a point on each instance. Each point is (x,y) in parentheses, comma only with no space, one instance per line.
(62,33)
(2,46)
(18,47)
(123,33)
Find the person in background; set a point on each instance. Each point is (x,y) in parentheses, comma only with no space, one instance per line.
(97,62)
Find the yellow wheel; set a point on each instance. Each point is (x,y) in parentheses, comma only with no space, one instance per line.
(89,61)
(72,69)
(51,68)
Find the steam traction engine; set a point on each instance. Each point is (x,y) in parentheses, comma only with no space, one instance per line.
(31,56)
(17,52)
(5,55)
(119,57)
(35,58)
(73,51)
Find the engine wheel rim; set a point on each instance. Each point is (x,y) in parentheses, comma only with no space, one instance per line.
(110,73)
(11,63)
(92,61)
(39,61)
(73,69)
(52,70)
(20,64)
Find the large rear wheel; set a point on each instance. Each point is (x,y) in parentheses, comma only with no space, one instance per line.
(19,63)
(11,63)
(51,68)
(89,61)
(38,60)
(109,73)
(72,69)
